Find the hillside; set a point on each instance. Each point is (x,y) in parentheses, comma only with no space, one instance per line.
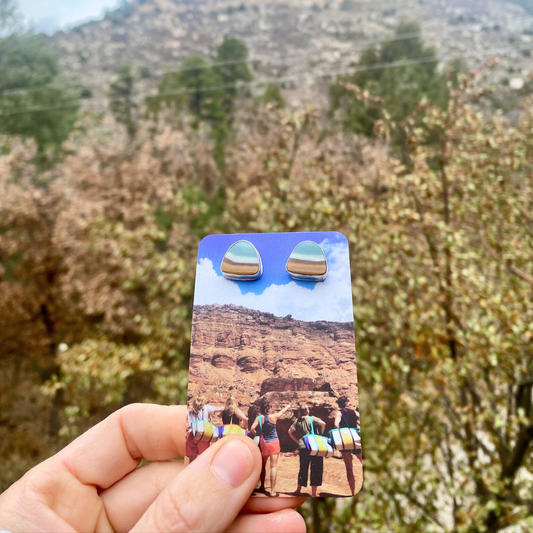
(301,43)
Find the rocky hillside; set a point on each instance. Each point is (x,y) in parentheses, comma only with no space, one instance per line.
(258,355)
(303,43)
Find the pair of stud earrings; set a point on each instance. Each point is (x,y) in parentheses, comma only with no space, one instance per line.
(307,262)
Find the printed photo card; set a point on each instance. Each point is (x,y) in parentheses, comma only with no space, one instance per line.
(273,358)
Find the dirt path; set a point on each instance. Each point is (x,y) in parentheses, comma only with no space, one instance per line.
(334,483)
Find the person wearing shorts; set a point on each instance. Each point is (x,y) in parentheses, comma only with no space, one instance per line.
(269,443)
(347,418)
(198,410)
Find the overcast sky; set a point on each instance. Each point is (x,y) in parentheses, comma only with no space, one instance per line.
(50,15)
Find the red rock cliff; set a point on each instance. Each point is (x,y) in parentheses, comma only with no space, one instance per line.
(257,356)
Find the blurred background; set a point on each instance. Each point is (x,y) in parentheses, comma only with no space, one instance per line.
(406,125)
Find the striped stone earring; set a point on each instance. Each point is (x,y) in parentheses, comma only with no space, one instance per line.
(242,262)
(307,262)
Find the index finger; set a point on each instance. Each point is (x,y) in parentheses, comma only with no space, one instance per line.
(113,448)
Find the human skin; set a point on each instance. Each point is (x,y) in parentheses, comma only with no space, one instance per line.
(346,457)
(241,415)
(96,484)
(273,418)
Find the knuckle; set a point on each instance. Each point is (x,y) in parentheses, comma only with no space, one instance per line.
(38,482)
(180,513)
(127,410)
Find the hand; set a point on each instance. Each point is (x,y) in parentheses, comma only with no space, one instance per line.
(94,483)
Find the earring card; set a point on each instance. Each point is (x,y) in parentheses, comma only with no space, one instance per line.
(274,358)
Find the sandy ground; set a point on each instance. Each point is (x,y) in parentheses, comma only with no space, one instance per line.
(334,483)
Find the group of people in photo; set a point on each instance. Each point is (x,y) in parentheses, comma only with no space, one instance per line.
(263,428)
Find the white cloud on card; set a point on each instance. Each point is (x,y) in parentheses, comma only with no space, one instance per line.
(329,300)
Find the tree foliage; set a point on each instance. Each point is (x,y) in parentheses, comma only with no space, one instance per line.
(9,17)
(207,91)
(196,87)
(35,101)
(232,67)
(401,87)
(441,256)
(96,287)
(122,101)
(272,95)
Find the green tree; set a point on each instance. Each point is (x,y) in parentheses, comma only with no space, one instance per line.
(122,99)
(9,17)
(400,87)
(35,101)
(195,87)
(198,88)
(208,92)
(272,94)
(456,68)
(231,64)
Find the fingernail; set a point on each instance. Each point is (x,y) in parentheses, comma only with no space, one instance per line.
(233,464)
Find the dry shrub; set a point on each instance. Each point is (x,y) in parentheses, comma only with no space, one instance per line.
(98,259)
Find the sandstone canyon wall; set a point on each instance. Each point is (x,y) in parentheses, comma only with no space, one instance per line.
(256,356)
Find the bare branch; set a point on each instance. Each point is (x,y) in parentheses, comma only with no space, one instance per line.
(508,265)
(523,441)
(421,506)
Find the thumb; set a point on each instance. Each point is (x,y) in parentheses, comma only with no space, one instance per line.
(209,493)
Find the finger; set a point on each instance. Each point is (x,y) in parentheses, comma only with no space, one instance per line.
(286,521)
(127,500)
(209,493)
(113,448)
(26,507)
(271,505)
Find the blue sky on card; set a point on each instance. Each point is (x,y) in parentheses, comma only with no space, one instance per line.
(275,292)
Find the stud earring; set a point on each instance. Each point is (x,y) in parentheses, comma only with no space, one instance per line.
(242,262)
(307,262)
